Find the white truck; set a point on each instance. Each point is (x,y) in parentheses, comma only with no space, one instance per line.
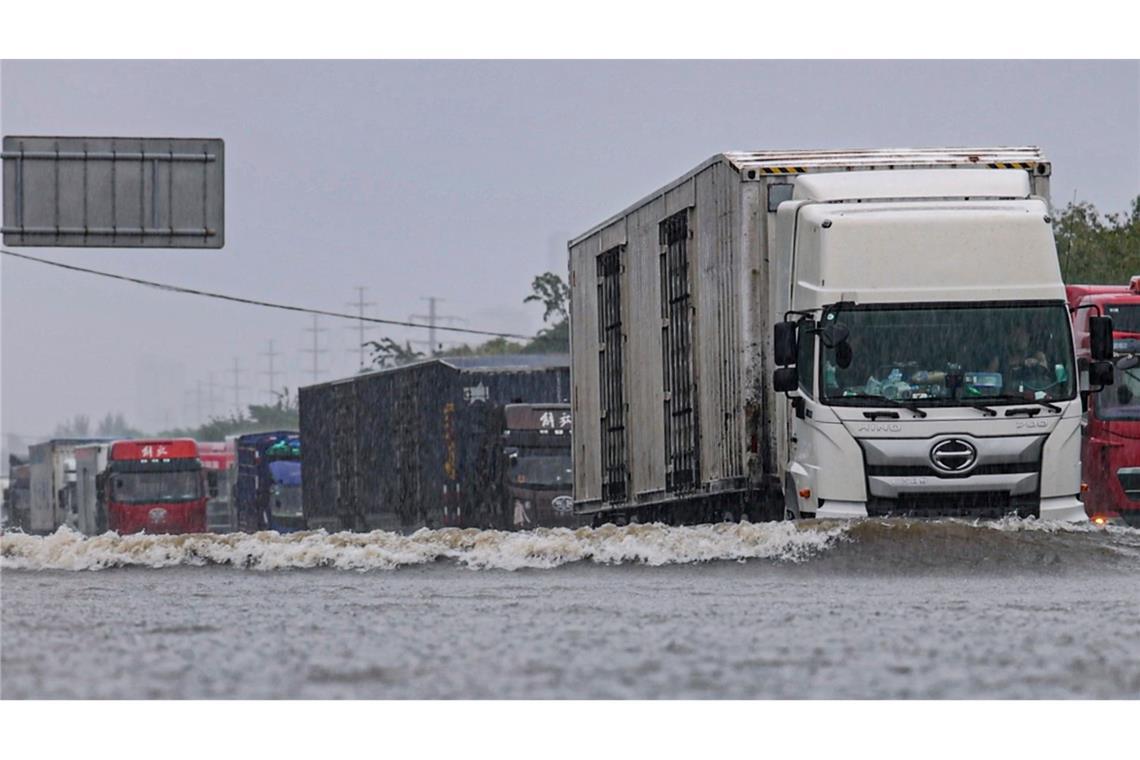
(53,484)
(829,334)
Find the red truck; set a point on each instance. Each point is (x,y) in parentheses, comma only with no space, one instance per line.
(155,486)
(218,462)
(1110,446)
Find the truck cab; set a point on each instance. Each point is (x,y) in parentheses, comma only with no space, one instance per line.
(155,486)
(927,346)
(218,464)
(267,493)
(539,474)
(1110,439)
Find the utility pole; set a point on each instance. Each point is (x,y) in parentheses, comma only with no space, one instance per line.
(433,318)
(212,386)
(271,354)
(316,350)
(360,303)
(196,395)
(237,388)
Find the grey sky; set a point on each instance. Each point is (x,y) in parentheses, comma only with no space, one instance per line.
(455,179)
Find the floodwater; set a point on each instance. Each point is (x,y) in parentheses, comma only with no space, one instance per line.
(871,609)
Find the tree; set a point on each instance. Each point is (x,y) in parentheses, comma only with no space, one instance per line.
(493,347)
(115,426)
(78,426)
(1096,248)
(283,414)
(388,353)
(551,340)
(554,294)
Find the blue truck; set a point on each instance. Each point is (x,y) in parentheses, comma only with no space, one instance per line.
(267,494)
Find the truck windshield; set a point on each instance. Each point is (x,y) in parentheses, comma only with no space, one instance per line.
(150,487)
(1125,318)
(286,472)
(285,501)
(1121,401)
(548,471)
(951,354)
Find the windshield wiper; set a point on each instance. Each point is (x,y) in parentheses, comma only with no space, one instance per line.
(884,401)
(1015,397)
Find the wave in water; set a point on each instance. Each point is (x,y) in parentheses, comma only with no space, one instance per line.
(878,545)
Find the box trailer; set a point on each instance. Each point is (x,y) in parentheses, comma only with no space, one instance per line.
(677,301)
(53,484)
(422,445)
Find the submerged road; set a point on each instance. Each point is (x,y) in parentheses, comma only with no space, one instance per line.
(872,610)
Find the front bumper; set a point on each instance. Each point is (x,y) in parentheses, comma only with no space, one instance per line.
(1058,509)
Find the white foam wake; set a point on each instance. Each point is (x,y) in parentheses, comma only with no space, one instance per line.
(543,548)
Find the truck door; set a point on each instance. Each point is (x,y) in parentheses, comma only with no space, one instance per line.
(803,428)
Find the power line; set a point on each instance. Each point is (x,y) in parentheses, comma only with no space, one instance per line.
(255,302)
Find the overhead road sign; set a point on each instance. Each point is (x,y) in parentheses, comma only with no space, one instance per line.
(114,192)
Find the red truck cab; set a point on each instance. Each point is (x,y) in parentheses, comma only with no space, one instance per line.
(1110,446)
(155,486)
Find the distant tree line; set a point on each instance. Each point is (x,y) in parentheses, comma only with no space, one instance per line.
(1095,248)
(113,425)
(284,414)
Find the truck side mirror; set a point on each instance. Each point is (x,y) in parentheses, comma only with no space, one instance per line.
(786,379)
(1100,374)
(784,343)
(1100,338)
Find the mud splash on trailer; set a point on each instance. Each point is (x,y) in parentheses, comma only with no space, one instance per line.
(880,546)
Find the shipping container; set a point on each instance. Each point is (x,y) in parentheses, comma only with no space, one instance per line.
(420,445)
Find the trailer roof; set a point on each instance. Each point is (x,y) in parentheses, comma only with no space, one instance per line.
(867,158)
(756,165)
(492,363)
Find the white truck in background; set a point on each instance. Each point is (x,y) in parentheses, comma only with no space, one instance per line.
(53,484)
(829,334)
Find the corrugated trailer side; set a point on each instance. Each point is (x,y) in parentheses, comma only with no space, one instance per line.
(681,388)
(416,446)
(321,416)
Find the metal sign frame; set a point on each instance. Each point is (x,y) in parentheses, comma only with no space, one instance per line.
(114,192)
